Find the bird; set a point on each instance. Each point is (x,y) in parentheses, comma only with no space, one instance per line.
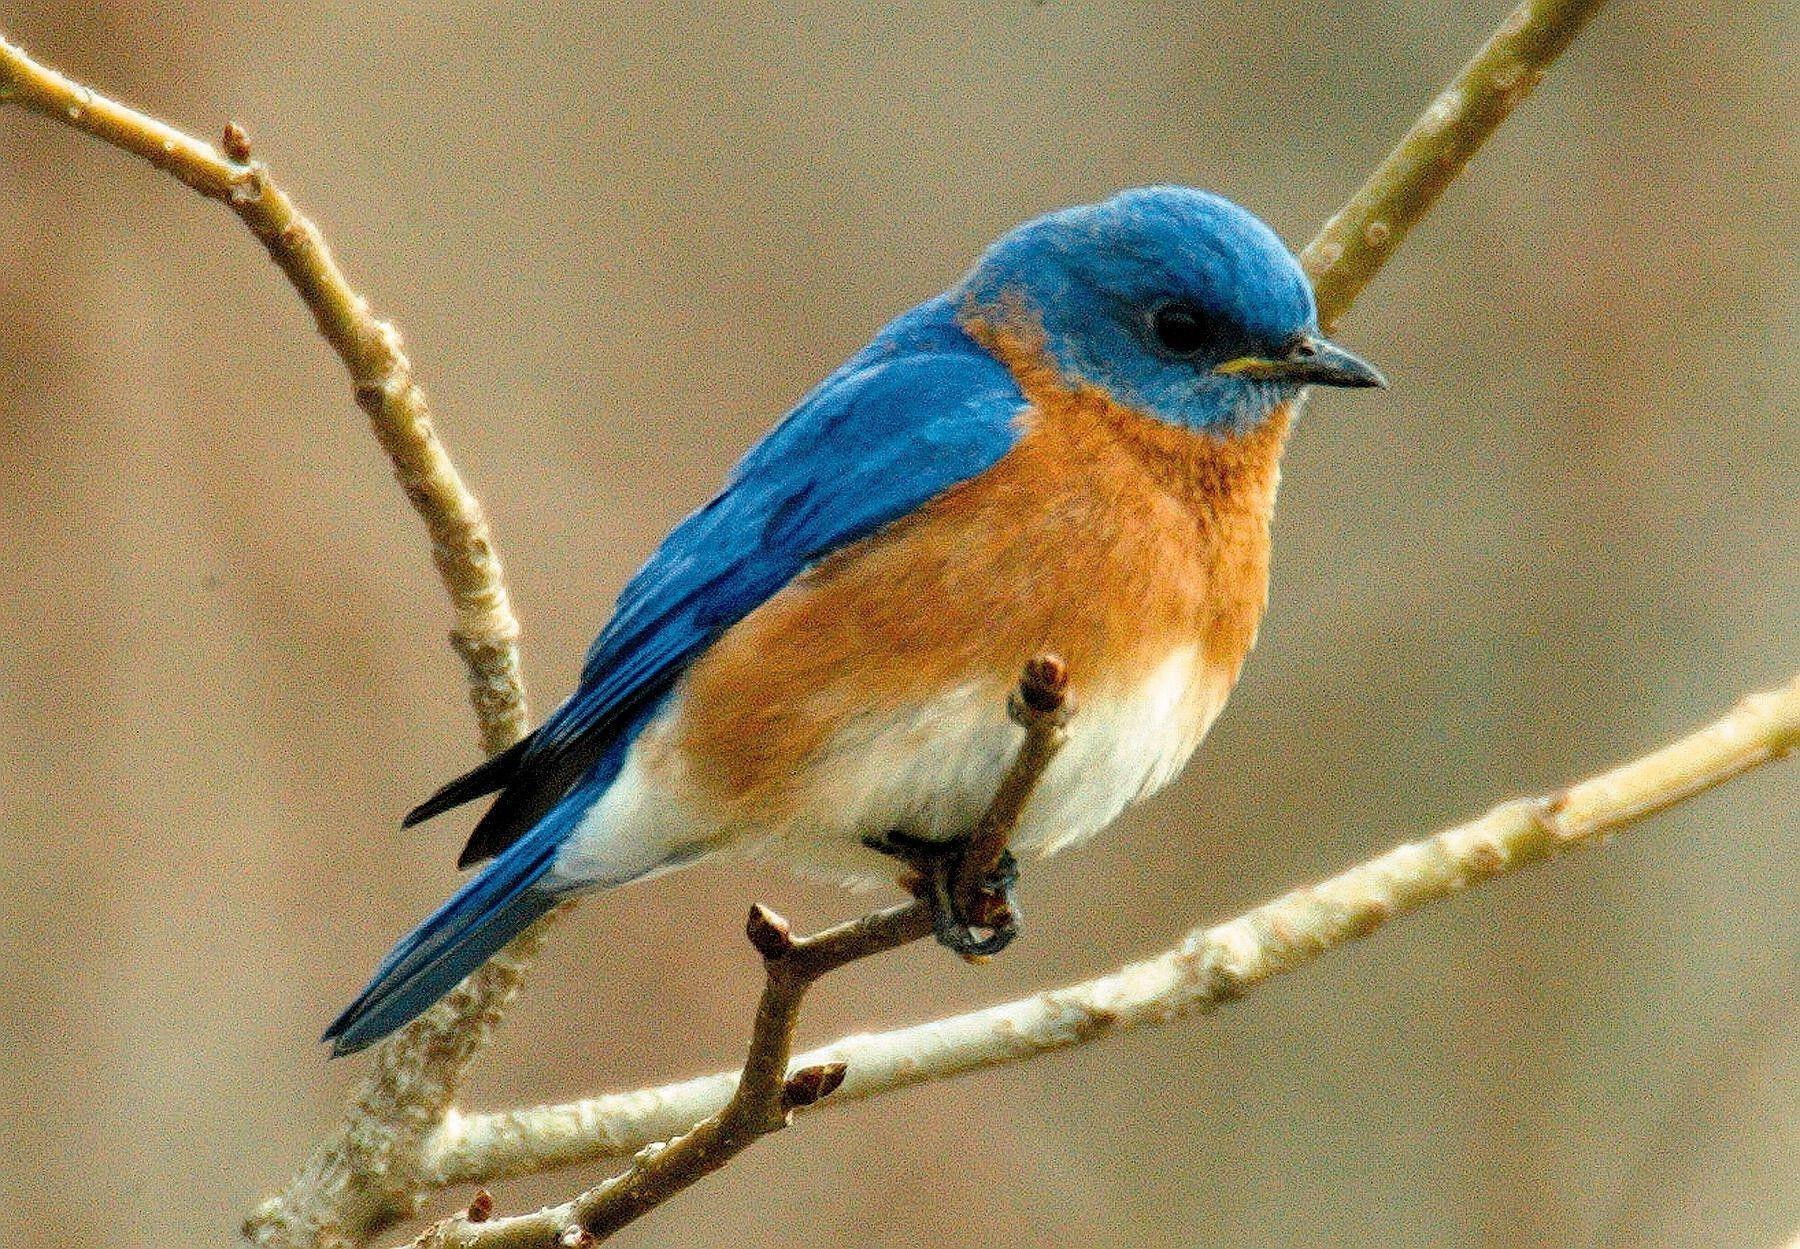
(1074,450)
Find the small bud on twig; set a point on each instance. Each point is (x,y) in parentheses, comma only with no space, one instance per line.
(576,1238)
(812,1084)
(1044,685)
(235,143)
(481,1207)
(772,935)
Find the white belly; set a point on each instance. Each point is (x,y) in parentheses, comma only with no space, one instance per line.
(928,770)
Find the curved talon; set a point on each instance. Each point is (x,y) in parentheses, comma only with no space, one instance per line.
(954,929)
(938,864)
(960,938)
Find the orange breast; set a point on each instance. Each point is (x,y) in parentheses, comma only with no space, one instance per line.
(1104,535)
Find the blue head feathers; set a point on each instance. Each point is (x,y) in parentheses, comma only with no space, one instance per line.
(1175,301)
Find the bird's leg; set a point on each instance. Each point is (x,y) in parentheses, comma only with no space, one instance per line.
(935,865)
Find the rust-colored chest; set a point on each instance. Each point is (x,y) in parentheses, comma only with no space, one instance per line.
(1104,535)
(1110,538)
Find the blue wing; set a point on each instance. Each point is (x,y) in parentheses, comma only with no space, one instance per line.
(873,443)
(920,409)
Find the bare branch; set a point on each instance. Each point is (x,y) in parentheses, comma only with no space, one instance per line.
(764,1096)
(1362,234)
(1207,968)
(486,632)
(362,1176)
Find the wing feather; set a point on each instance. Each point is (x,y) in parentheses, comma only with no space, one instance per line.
(918,411)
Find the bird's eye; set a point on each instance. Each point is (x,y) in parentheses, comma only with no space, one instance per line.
(1178,329)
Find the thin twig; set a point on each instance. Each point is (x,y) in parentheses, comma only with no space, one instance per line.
(1362,234)
(764,1095)
(363,1175)
(1207,968)
(1041,706)
(763,1100)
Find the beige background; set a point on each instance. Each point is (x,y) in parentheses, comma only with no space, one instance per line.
(620,243)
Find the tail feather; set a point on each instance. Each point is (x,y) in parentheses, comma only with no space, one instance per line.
(481,917)
(504,899)
(529,796)
(495,772)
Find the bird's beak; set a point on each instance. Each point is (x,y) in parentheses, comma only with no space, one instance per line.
(1312,360)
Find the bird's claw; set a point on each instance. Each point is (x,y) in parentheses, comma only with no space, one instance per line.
(994,908)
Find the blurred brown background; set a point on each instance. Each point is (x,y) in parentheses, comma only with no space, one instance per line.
(620,244)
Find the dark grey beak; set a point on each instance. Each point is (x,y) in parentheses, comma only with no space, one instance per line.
(1321,362)
(1312,360)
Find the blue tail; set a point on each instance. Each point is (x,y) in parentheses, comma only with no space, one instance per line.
(461,935)
(488,911)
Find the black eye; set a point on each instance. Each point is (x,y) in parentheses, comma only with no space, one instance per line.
(1179,329)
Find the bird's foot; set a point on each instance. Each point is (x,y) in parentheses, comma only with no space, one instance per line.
(935,868)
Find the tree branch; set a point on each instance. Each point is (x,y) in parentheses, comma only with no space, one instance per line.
(1204,970)
(485,633)
(1362,234)
(372,1171)
(362,1176)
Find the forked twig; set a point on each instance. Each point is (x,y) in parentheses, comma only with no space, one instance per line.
(766,1094)
(1205,969)
(399,1138)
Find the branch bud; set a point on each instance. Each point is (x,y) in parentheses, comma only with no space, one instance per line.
(481,1207)
(1044,685)
(812,1084)
(772,935)
(235,143)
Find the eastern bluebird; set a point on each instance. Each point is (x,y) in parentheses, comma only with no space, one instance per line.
(1073,450)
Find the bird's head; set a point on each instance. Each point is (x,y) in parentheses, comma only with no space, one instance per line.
(1172,300)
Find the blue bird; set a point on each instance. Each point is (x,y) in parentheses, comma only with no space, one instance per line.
(1073,450)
